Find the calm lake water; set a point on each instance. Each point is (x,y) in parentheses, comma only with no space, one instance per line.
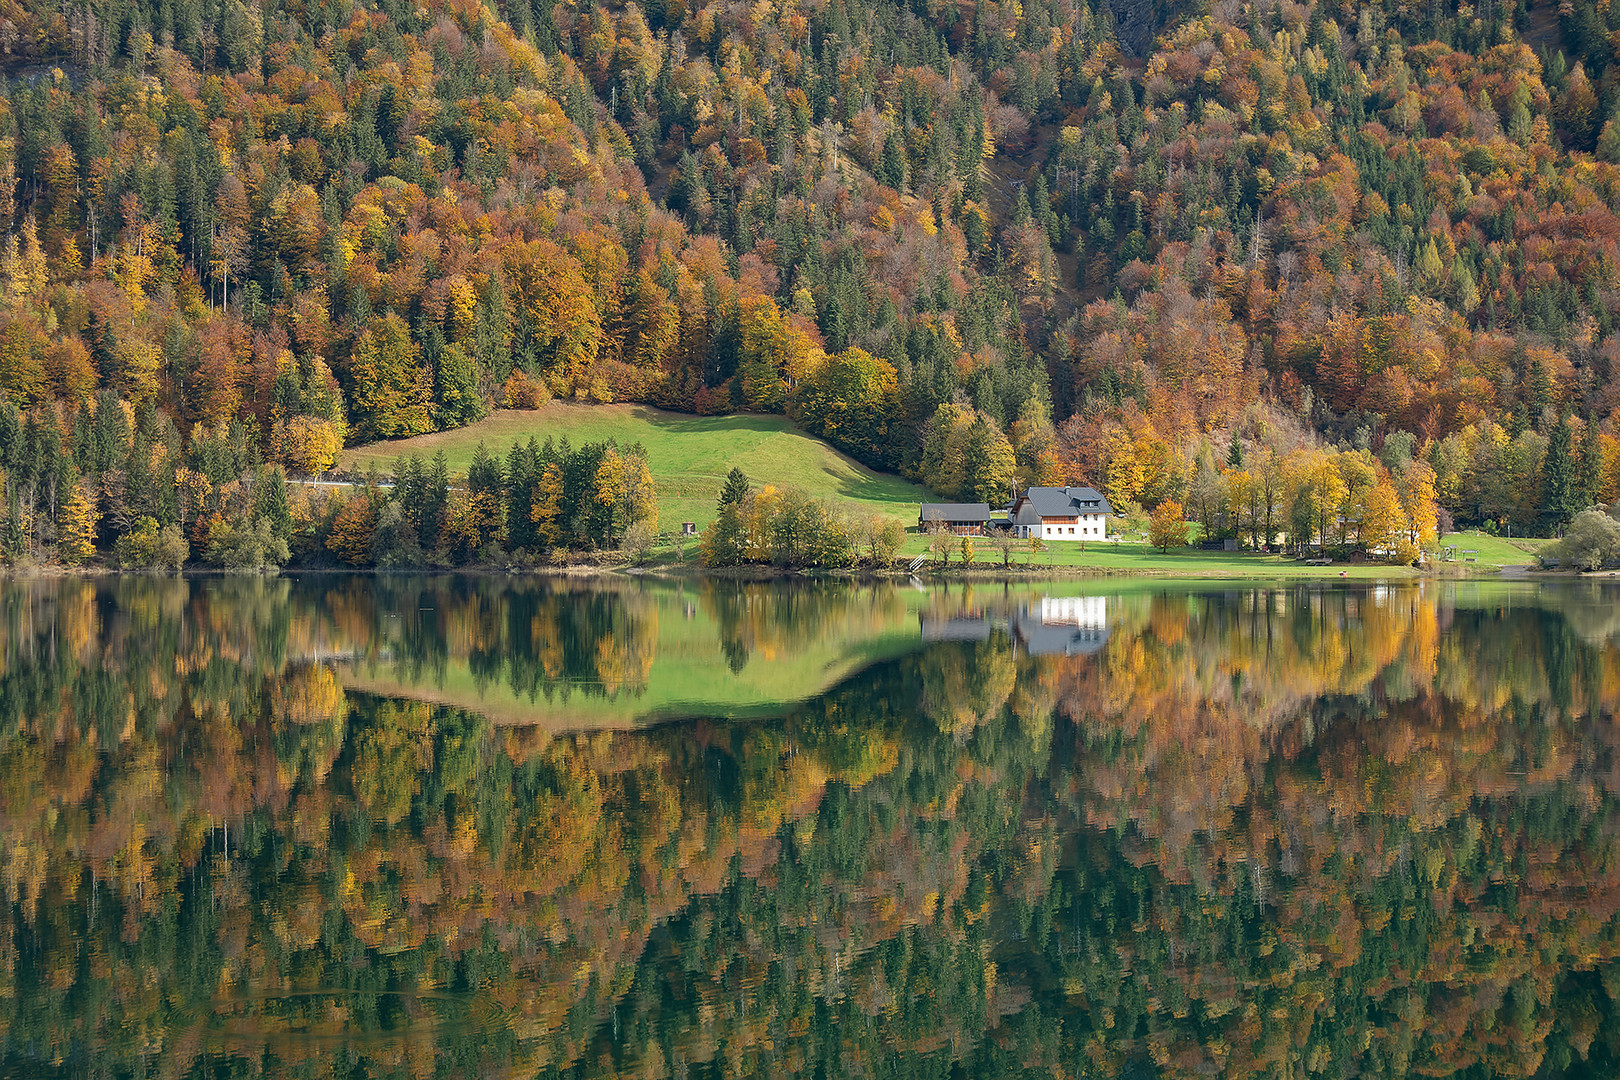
(361,827)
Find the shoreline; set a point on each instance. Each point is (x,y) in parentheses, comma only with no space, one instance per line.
(976,572)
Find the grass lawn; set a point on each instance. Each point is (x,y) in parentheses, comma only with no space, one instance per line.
(689,455)
(1186,562)
(1494,550)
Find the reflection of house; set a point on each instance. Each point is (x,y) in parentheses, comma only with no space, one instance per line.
(963,519)
(1063,625)
(1065,513)
(961,628)
(1056,626)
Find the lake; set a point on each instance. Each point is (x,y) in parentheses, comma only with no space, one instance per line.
(367,827)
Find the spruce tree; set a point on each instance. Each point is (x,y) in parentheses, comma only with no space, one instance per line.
(736,489)
(1558,478)
(1589,466)
(270,501)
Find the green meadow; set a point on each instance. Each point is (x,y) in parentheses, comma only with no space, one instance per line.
(689,455)
(1128,558)
(1489,550)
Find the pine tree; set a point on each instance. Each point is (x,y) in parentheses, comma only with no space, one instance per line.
(1558,502)
(270,502)
(991,466)
(736,489)
(1589,462)
(521,474)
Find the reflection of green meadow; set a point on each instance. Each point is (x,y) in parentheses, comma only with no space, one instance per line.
(770,666)
(757,650)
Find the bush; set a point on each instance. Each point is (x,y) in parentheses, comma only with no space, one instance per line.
(247,548)
(149,546)
(637,542)
(1592,540)
(524,391)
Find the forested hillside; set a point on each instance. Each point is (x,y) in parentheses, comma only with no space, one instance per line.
(1170,251)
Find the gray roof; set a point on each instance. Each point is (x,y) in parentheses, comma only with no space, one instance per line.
(955,512)
(1067,501)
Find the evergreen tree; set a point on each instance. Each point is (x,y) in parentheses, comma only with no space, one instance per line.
(891,170)
(484,473)
(1589,466)
(736,489)
(1558,480)
(991,466)
(270,501)
(522,471)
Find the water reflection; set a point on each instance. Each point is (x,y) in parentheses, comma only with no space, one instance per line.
(424,827)
(1041,626)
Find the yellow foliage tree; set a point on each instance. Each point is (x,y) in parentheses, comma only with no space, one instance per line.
(1167,527)
(76,527)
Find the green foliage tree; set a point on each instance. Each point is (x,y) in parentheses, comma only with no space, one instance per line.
(150,546)
(392,390)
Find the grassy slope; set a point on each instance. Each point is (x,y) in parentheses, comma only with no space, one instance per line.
(689,455)
(1495,550)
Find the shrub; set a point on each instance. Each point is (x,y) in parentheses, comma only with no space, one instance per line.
(637,542)
(149,546)
(248,547)
(524,391)
(1593,539)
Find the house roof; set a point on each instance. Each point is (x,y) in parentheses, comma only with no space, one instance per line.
(955,512)
(1067,501)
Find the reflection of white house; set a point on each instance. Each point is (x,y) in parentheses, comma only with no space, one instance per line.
(1057,626)
(1064,626)
(1090,612)
(1065,513)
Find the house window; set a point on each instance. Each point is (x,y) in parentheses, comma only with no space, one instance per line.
(1071,532)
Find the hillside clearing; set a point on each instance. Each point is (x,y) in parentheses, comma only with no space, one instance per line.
(689,455)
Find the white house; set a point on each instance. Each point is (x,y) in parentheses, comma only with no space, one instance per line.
(1065,513)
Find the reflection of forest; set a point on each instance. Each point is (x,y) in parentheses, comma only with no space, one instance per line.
(1258,833)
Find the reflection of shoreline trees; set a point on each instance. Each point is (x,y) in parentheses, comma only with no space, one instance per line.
(1287,832)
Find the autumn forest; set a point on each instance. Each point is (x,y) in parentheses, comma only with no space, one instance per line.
(1144,246)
